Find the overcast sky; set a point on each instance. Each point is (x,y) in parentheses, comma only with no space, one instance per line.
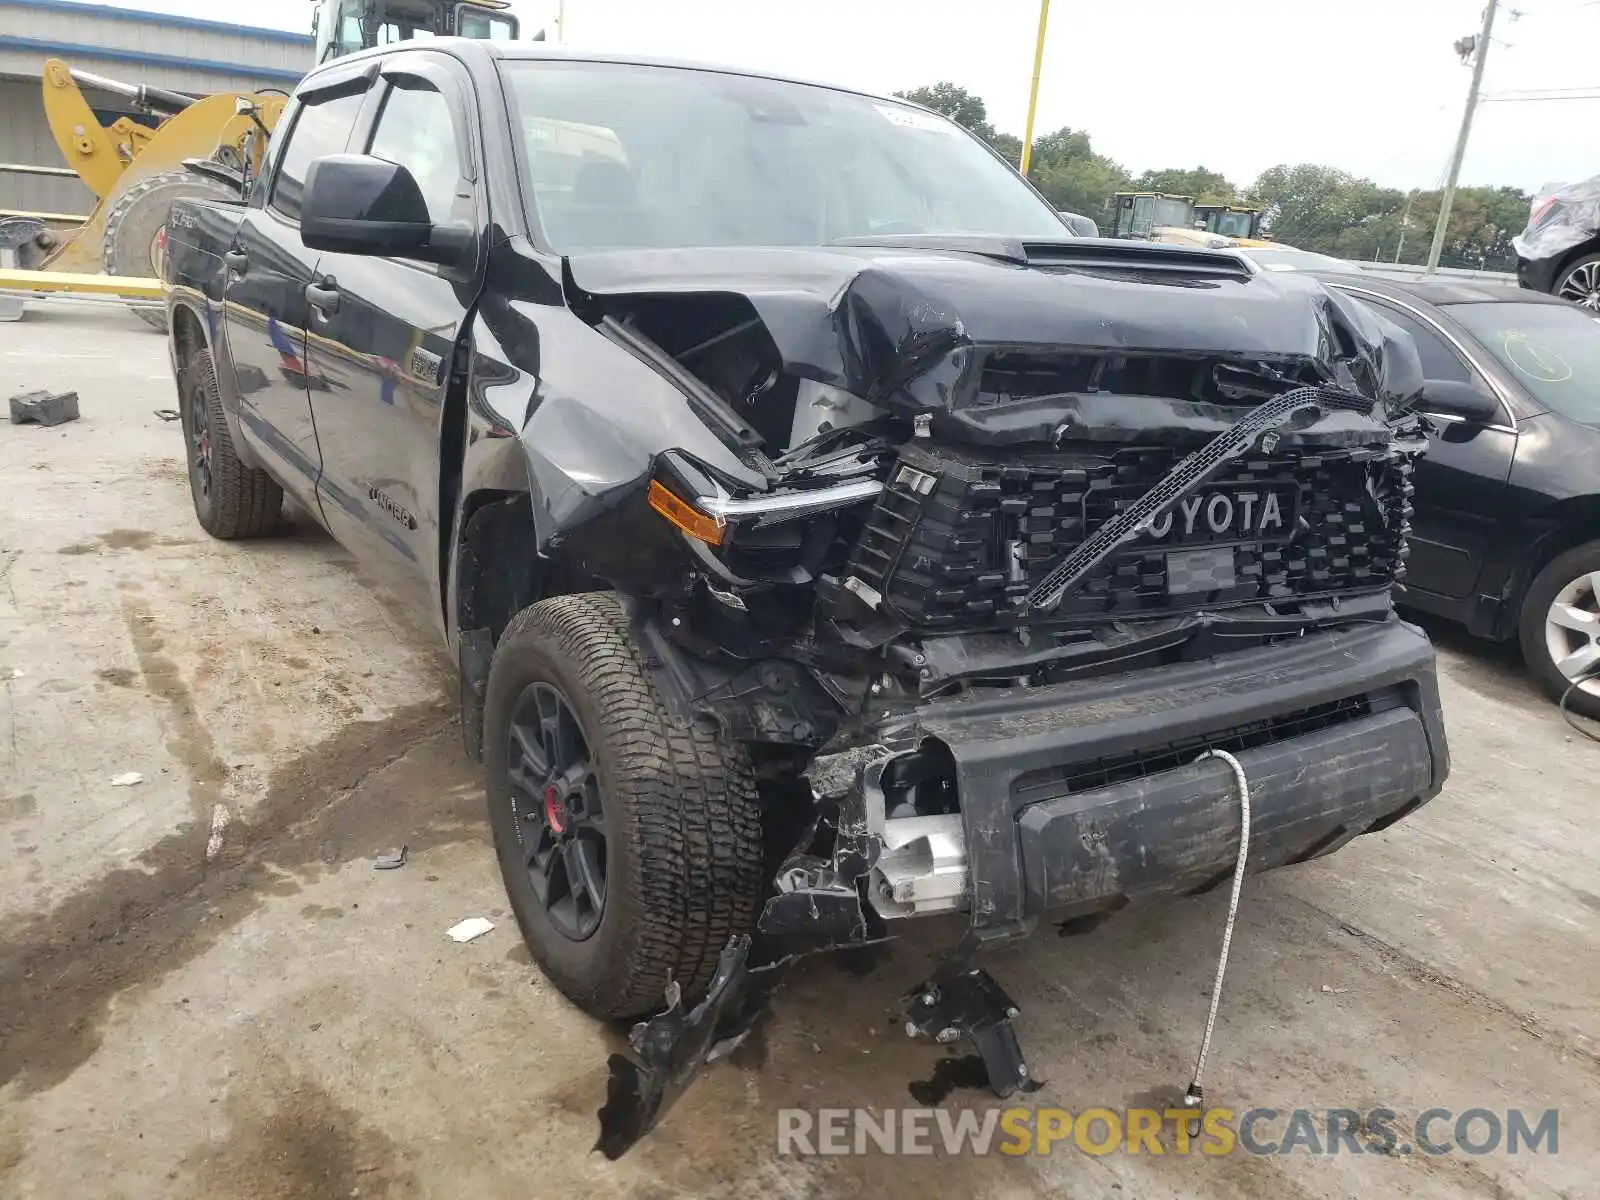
(1371,86)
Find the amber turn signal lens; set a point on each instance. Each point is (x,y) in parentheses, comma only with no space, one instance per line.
(685,515)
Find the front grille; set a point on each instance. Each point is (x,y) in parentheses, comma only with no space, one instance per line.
(958,538)
(1051,782)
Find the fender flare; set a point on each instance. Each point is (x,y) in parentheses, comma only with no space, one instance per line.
(181,302)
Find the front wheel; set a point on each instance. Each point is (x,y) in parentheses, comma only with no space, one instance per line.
(1560,628)
(628,836)
(1580,283)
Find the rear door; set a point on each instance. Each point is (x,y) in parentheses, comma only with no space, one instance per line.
(385,335)
(268,271)
(1461,481)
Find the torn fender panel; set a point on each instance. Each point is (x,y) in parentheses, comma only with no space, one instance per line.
(588,416)
(869,319)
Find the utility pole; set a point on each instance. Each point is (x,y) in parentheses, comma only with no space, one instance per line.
(1405,224)
(1033,94)
(1480,53)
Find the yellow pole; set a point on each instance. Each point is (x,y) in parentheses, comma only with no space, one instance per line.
(1033,94)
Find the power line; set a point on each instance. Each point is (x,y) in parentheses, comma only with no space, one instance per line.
(1548,10)
(1537,99)
(1583,92)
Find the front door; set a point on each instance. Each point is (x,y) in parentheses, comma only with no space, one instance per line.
(269,269)
(384,336)
(1461,481)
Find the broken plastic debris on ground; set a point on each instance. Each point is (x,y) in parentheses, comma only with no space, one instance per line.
(472,927)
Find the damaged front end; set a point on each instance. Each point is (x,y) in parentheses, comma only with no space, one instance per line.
(996,539)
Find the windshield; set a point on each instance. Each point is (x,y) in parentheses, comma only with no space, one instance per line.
(1166,211)
(1553,350)
(1230,224)
(619,156)
(486,26)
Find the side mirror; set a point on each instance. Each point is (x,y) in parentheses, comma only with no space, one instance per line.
(356,204)
(1079,224)
(1451,398)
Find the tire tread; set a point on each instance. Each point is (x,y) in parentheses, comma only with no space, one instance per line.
(696,826)
(245,502)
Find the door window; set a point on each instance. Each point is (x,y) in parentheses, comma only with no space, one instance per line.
(319,130)
(415,130)
(1439,360)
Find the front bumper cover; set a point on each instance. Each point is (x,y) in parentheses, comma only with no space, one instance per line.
(1538,274)
(1036,845)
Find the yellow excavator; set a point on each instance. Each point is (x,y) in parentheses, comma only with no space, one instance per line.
(1157,217)
(202,146)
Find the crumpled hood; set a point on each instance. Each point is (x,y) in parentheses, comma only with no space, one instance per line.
(871,318)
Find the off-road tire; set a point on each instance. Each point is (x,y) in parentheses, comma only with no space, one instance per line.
(684,851)
(1557,574)
(243,502)
(139,214)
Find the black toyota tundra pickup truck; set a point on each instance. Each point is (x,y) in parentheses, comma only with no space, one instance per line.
(826,537)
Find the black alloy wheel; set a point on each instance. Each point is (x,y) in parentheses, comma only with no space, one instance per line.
(561,820)
(198,428)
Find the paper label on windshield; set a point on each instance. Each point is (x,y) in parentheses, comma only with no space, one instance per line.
(910,118)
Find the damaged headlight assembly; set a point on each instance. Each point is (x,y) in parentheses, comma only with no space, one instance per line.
(705,511)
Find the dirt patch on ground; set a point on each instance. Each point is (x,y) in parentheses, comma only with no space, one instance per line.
(140,539)
(291,1140)
(14,808)
(117,676)
(187,739)
(125,539)
(60,970)
(13,1143)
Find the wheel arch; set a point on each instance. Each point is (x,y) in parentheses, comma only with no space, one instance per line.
(191,330)
(1565,524)
(188,332)
(499,571)
(1581,250)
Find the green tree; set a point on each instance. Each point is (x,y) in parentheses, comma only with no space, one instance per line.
(1009,147)
(1207,187)
(1073,177)
(1323,208)
(1310,205)
(960,105)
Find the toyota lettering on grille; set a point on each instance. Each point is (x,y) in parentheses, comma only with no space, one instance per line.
(1226,513)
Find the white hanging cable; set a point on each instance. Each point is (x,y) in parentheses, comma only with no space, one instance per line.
(1194,1097)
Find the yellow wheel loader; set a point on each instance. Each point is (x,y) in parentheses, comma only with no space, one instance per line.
(205,146)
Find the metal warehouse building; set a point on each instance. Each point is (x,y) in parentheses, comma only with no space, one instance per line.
(181,54)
